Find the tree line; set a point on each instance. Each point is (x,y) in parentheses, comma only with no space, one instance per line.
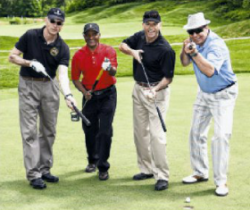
(39,8)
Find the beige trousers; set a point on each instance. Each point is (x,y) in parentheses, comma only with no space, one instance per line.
(149,137)
(38,99)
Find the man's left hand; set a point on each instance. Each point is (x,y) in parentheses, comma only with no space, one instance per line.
(106,65)
(69,100)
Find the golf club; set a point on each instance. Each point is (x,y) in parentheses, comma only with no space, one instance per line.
(95,84)
(157,108)
(84,119)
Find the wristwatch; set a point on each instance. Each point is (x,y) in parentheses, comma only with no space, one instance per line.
(70,94)
(194,54)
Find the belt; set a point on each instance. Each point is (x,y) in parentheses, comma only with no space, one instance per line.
(227,87)
(143,84)
(42,79)
(100,92)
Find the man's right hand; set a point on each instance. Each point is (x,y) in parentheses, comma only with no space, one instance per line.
(88,95)
(137,55)
(38,67)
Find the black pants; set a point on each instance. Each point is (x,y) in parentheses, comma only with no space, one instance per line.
(100,111)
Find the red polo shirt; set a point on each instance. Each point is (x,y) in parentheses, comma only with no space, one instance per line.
(89,64)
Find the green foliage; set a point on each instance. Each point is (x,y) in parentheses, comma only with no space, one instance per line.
(15,21)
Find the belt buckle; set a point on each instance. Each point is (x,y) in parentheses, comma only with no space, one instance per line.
(97,93)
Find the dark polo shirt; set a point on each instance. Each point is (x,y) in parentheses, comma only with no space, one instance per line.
(34,47)
(158,58)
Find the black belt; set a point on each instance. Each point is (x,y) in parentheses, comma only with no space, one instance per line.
(143,84)
(100,92)
(41,79)
(227,86)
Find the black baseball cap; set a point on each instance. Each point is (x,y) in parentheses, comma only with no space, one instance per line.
(56,13)
(91,26)
(151,15)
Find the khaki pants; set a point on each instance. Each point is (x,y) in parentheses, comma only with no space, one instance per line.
(150,139)
(38,98)
(220,107)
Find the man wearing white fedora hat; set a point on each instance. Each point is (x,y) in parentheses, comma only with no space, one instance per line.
(216,98)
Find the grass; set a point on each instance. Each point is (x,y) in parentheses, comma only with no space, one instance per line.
(78,190)
(239,50)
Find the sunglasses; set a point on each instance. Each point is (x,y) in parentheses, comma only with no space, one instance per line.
(59,23)
(197,31)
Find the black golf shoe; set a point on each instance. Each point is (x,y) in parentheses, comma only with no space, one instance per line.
(103,176)
(161,185)
(90,168)
(50,178)
(38,184)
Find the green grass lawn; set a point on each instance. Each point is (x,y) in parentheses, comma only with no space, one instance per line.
(79,190)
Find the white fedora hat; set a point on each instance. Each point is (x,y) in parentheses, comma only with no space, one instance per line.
(195,21)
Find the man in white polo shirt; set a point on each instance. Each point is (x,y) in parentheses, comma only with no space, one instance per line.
(216,98)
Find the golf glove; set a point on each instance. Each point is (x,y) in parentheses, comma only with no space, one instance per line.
(106,65)
(149,94)
(38,67)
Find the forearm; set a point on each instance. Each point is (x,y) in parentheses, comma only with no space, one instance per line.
(64,80)
(125,49)
(16,59)
(163,84)
(79,86)
(185,59)
(204,65)
(112,71)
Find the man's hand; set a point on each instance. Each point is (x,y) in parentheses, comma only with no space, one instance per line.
(38,67)
(69,100)
(137,55)
(88,95)
(106,65)
(150,94)
(189,47)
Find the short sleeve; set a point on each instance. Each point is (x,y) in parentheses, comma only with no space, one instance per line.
(111,55)
(65,56)
(132,41)
(22,43)
(167,62)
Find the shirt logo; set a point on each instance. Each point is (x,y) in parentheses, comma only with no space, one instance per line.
(54,51)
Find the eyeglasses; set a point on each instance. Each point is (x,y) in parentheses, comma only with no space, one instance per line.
(197,31)
(59,23)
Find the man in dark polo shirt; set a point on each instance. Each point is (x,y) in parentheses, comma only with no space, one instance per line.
(99,104)
(43,53)
(148,46)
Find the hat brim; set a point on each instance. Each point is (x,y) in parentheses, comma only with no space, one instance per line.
(151,19)
(189,27)
(55,17)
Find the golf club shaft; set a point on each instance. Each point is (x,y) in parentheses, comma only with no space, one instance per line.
(84,119)
(157,108)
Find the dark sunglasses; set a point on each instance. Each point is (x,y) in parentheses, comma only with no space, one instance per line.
(59,23)
(197,31)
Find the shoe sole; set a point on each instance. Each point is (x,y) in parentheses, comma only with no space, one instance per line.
(160,189)
(90,171)
(220,195)
(198,180)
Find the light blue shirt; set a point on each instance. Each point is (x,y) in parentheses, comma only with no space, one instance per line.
(216,52)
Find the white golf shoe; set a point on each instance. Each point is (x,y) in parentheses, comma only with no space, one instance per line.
(194,179)
(222,190)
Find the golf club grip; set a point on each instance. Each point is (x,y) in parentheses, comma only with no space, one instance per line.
(161,119)
(84,119)
(97,80)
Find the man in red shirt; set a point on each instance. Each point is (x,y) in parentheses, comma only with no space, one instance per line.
(101,102)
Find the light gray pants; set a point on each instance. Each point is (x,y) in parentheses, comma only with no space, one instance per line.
(150,139)
(38,98)
(220,106)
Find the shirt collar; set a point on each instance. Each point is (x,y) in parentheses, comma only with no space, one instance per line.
(40,34)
